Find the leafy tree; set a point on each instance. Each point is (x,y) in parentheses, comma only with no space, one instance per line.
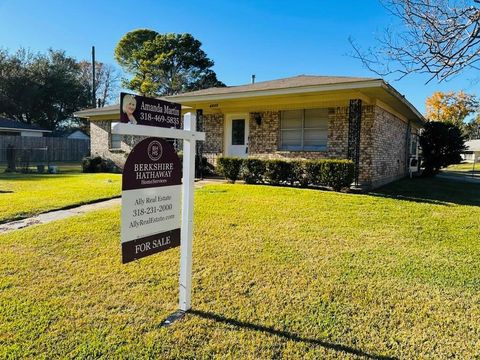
(164,64)
(451,107)
(18,85)
(456,108)
(441,143)
(440,38)
(128,51)
(42,89)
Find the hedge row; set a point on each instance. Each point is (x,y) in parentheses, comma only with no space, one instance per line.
(333,173)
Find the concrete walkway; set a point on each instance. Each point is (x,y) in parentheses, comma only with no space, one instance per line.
(461,176)
(79,210)
(57,215)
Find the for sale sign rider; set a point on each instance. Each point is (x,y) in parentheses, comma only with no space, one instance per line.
(151,199)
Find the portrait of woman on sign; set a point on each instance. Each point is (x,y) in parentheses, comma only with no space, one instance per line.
(129,104)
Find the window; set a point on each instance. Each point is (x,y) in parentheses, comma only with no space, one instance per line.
(304,130)
(414,144)
(115,139)
(238,132)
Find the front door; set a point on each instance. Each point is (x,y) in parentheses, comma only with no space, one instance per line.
(237,136)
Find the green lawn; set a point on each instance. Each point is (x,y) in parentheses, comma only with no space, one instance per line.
(22,195)
(277,273)
(463,167)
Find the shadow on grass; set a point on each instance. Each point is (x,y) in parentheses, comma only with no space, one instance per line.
(286,335)
(431,191)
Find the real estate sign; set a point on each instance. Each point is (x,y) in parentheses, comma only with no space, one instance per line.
(151,199)
(135,109)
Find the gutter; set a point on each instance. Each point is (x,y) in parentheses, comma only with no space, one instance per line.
(390,89)
(92,112)
(100,111)
(19,129)
(283,91)
(379,83)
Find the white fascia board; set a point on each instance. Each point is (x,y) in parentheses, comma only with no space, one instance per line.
(95,112)
(19,130)
(285,91)
(404,100)
(86,114)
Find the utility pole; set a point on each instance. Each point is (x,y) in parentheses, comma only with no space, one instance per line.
(94,100)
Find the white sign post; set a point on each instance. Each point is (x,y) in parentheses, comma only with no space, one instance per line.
(189,137)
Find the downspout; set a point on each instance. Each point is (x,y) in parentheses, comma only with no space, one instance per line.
(407,146)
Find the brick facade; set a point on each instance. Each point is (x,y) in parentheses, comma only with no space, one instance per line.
(390,147)
(100,140)
(213,125)
(383,142)
(263,139)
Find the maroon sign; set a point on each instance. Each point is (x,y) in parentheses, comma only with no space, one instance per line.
(153,162)
(151,199)
(136,109)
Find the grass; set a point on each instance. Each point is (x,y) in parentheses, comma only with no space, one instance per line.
(23,195)
(277,273)
(467,167)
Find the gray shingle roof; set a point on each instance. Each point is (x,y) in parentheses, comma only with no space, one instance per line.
(18,125)
(291,82)
(473,145)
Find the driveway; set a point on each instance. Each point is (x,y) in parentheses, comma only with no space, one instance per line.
(464,176)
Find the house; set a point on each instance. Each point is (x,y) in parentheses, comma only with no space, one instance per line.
(10,127)
(309,117)
(473,151)
(78,135)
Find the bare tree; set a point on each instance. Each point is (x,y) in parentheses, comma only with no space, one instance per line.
(438,37)
(107,80)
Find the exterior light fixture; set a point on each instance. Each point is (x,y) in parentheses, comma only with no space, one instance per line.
(258,118)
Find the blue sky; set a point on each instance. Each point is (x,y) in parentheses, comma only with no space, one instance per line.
(272,39)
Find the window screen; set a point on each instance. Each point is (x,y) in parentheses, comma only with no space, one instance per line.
(304,130)
(115,139)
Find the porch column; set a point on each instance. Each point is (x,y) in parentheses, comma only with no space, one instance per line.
(199,153)
(354,132)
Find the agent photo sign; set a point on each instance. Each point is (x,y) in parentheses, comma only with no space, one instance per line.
(135,109)
(151,200)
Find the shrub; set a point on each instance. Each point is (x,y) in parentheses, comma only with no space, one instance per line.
(230,167)
(332,173)
(299,173)
(337,174)
(442,145)
(277,171)
(95,164)
(312,172)
(203,169)
(253,171)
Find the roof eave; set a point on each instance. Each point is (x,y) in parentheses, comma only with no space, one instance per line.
(88,113)
(282,91)
(20,129)
(389,88)
(93,112)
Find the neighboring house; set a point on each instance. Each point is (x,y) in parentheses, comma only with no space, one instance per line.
(79,135)
(9,127)
(473,151)
(310,117)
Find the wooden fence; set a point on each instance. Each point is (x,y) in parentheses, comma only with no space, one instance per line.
(44,150)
